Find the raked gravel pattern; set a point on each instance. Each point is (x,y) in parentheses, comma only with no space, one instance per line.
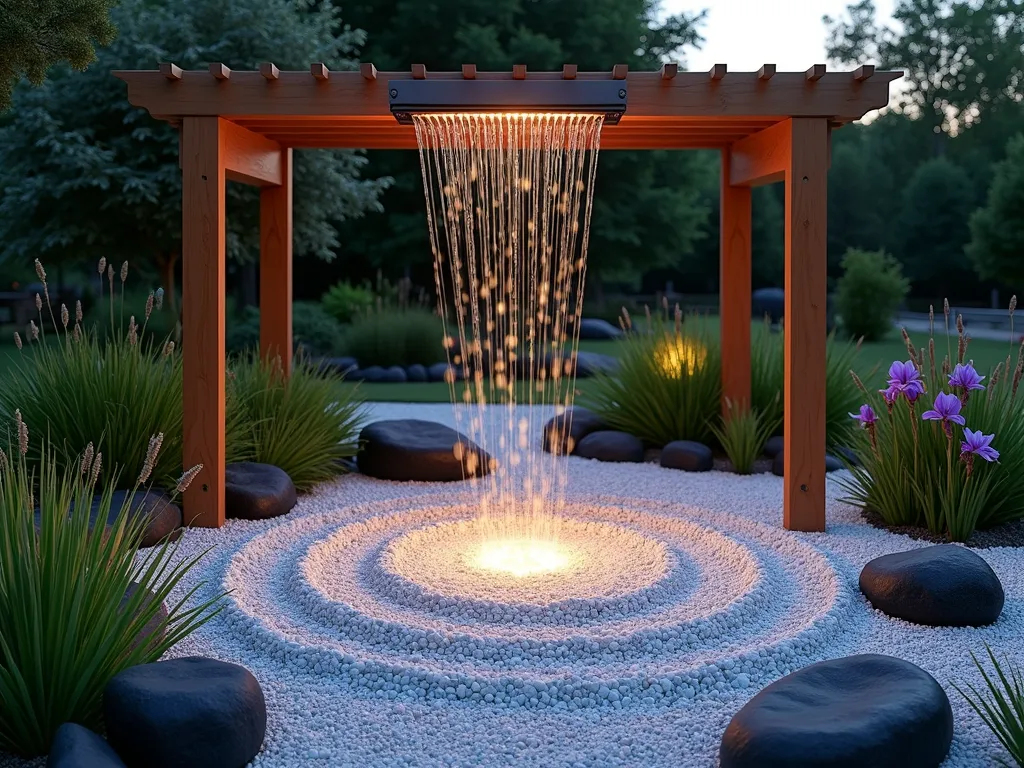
(376,646)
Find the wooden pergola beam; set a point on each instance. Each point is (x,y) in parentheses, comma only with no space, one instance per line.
(251,158)
(835,95)
(760,158)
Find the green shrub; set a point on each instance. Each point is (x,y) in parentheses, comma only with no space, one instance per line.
(1002,710)
(913,472)
(70,618)
(303,424)
(743,435)
(388,337)
(345,302)
(767,372)
(317,332)
(117,387)
(668,384)
(869,293)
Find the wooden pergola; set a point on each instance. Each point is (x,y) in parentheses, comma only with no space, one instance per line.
(769,126)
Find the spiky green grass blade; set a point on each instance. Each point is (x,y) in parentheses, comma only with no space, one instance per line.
(1001,708)
(743,435)
(304,423)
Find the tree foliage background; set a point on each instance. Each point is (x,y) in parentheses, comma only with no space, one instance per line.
(935,180)
(85,174)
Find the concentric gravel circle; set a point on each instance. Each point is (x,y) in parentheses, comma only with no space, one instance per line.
(688,601)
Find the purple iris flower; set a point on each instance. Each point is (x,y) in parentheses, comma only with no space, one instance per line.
(977,444)
(946,410)
(904,379)
(866,415)
(966,379)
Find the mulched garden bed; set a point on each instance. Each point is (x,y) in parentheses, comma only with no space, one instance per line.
(1006,535)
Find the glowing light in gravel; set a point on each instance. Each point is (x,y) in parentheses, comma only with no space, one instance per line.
(521,557)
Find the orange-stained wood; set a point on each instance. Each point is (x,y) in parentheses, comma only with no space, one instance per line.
(418,72)
(669,70)
(718,71)
(220,71)
(761,158)
(803,500)
(569,71)
(620,71)
(368,70)
(469,71)
(249,157)
(320,72)
(734,290)
(815,73)
(766,72)
(347,94)
(203,176)
(276,267)
(518,71)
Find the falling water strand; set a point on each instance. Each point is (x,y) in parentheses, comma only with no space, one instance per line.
(509,199)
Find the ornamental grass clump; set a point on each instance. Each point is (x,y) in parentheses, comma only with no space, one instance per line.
(767,377)
(928,443)
(78,606)
(743,434)
(668,381)
(305,423)
(116,386)
(1002,708)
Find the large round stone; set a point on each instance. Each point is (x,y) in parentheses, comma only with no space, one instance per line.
(596,329)
(609,445)
(687,455)
(942,586)
(774,445)
(153,631)
(563,432)
(854,712)
(75,746)
(416,372)
(593,363)
(257,491)
(160,517)
(412,449)
(192,711)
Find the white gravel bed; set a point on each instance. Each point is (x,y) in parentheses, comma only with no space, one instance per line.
(685,598)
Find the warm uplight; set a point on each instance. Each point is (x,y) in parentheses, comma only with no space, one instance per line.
(677,356)
(521,557)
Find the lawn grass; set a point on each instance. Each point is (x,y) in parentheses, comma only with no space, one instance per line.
(873,361)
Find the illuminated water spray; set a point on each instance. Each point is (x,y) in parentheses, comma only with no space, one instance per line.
(509,198)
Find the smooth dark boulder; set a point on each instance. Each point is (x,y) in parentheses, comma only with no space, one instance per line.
(439,372)
(153,631)
(192,711)
(75,746)
(779,464)
(773,446)
(687,455)
(847,454)
(563,432)
(412,449)
(768,303)
(375,374)
(257,491)
(609,445)
(161,518)
(854,712)
(833,464)
(945,585)
(593,363)
(339,365)
(596,329)
(416,372)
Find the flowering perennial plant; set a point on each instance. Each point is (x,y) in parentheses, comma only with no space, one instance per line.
(935,466)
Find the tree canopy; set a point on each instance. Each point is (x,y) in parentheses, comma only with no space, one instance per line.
(997,229)
(83,173)
(37,34)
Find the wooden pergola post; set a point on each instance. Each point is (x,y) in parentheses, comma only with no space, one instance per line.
(803,501)
(734,290)
(276,267)
(203,177)
(796,151)
(770,126)
(212,151)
